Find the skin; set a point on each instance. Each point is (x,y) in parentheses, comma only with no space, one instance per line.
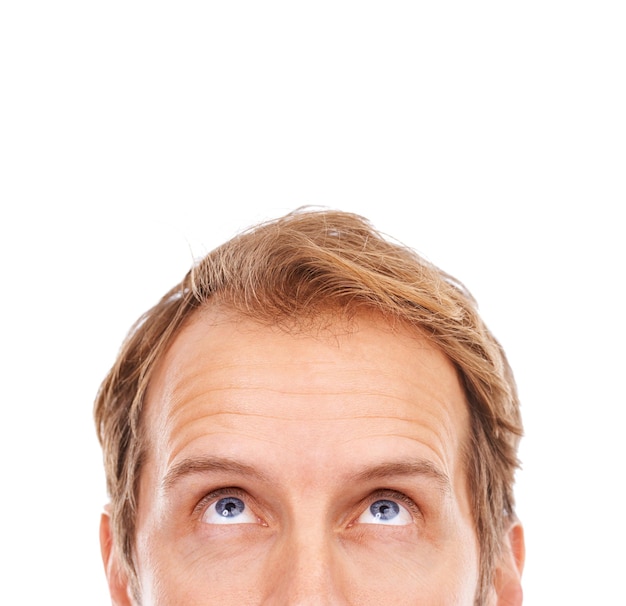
(301,434)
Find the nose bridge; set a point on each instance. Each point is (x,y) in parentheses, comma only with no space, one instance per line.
(307,570)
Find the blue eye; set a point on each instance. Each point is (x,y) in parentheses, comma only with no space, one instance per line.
(386,511)
(230,507)
(229,510)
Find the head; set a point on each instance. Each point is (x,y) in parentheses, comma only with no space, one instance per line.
(315,303)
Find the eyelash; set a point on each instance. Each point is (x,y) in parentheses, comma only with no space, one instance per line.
(383,493)
(214,495)
(393,495)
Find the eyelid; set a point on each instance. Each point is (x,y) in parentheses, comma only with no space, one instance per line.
(215,495)
(392,495)
(382,493)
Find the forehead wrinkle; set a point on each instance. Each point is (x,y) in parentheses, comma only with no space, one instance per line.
(177,422)
(296,418)
(181,401)
(428,441)
(180,407)
(176,433)
(179,370)
(306,370)
(184,390)
(189,446)
(183,374)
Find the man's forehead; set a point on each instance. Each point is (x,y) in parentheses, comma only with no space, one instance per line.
(218,341)
(223,367)
(217,325)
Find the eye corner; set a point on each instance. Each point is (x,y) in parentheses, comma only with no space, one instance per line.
(388,508)
(227,507)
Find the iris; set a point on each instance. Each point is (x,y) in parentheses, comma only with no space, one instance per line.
(384,510)
(230,507)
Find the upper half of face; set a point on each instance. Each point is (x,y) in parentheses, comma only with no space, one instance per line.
(314,433)
(324,405)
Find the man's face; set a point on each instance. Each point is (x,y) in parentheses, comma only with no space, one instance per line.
(321,468)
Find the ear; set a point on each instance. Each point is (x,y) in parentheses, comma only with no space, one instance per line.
(117,579)
(508,576)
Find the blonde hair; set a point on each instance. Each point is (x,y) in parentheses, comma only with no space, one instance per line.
(291,270)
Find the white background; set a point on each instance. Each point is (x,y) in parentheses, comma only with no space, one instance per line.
(488,136)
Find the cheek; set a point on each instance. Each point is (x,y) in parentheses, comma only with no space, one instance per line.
(392,569)
(226,564)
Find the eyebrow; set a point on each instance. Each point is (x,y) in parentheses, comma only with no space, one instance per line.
(406,468)
(210,464)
